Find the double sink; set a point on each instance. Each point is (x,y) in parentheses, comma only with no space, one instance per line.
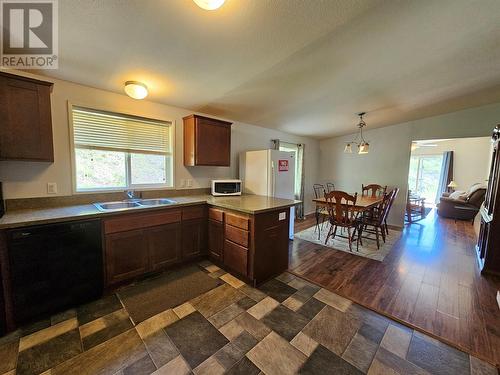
(133,203)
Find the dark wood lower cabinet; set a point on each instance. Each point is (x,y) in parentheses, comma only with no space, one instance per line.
(126,255)
(215,239)
(164,244)
(236,257)
(194,234)
(138,243)
(255,247)
(271,240)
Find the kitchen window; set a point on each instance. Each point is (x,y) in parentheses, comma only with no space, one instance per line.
(114,151)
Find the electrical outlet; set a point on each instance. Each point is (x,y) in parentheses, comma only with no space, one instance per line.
(51,188)
(189,183)
(183,183)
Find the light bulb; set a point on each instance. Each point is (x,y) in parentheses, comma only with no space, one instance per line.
(136,90)
(209,4)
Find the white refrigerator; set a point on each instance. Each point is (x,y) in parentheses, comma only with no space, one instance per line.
(270,173)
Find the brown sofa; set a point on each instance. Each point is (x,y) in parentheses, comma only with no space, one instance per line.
(459,209)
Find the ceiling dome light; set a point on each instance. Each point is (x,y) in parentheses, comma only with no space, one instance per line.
(209,4)
(136,90)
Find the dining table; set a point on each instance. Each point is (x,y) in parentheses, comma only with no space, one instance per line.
(363,203)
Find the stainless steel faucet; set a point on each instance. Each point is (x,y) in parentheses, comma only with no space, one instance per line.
(130,194)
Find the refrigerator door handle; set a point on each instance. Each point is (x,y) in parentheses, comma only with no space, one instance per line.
(273,188)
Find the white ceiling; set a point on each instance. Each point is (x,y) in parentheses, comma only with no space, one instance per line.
(305,67)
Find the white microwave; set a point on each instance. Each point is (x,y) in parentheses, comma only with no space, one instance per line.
(226,187)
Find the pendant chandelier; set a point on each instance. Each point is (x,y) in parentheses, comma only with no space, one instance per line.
(360,142)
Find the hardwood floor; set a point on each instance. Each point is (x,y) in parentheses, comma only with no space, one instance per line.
(430,281)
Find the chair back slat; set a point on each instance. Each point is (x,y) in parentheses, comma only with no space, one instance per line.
(340,206)
(330,186)
(373,190)
(394,192)
(319,190)
(384,206)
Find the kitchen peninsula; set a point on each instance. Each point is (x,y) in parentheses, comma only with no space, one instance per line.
(247,235)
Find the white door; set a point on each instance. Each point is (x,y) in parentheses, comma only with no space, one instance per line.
(283,175)
(283,180)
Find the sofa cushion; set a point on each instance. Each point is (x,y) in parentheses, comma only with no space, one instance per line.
(475,188)
(459,194)
(477,198)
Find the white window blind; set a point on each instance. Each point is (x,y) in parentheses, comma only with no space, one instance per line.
(117,132)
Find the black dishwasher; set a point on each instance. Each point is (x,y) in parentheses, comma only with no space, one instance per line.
(53,267)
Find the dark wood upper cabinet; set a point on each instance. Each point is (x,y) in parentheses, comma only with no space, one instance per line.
(207,142)
(25,119)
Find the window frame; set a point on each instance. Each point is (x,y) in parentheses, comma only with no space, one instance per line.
(419,170)
(129,186)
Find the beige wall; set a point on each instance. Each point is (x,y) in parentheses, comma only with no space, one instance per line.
(388,160)
(29,179)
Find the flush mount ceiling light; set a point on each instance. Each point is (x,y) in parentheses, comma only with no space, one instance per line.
(136,90)
(363,146)
(209,4)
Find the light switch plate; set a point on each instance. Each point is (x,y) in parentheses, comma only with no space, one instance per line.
(282,216)
(189,183)
(51,188)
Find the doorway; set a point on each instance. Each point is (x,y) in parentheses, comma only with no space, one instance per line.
(424,176)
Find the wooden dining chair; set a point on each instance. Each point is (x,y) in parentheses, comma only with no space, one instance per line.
(373,190)
(330,186)
(341,213)
(394,193)
(320,212)
(319,190)
(375,224)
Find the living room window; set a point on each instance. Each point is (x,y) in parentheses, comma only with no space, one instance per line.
(114,151)
(423,178)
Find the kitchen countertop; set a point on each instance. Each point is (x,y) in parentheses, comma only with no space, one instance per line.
(251,204)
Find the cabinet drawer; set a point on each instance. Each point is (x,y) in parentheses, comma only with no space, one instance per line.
(196,212)
(137,221)
(236,257)
(237,221)
(237,235)
(215,214)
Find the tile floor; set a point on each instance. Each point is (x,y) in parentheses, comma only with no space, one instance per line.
(287,326)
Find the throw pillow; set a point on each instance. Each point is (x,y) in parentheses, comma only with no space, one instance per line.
(456,194)
(474,188)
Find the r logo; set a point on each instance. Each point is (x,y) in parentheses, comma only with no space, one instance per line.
(29,34)
(27,28)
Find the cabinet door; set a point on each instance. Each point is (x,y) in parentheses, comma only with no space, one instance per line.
(236,257)
(215,239)
(126,255)
(213,142)
(194,233)
(164,245)
(25,115)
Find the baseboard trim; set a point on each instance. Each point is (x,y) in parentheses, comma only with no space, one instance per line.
(395,227)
